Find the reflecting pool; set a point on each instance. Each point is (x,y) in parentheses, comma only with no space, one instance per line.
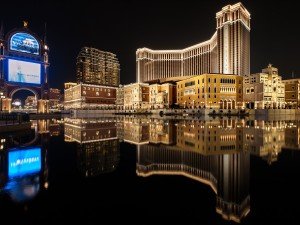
(143,170)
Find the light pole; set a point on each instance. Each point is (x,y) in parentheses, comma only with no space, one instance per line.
(1,97)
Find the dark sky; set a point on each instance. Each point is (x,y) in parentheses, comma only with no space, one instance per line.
(123,26)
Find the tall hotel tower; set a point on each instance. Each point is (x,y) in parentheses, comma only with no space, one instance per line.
(94,66)
(227,52)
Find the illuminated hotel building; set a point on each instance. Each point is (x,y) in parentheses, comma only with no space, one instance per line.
(97,67)
(214,91)
(226,52)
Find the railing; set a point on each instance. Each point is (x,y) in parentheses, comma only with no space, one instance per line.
(13,118)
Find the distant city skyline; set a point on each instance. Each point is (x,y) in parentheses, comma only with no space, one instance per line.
(122,27)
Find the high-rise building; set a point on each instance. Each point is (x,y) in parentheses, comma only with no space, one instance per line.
(227,52)
(97,67)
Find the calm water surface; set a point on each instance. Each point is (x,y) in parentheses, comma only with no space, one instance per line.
(129,170)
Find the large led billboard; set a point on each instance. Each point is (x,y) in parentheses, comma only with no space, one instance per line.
(24,72)
(24,161)
(23,42)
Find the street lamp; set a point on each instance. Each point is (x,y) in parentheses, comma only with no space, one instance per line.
(1,97)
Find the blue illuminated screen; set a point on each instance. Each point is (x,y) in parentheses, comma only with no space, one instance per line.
(23,162)
(23,42)
(24,72)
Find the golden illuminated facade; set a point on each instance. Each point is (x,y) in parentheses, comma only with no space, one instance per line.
(97,67)
(227,51)
(162,95)
(213,91)
(87,96)
(136,96)
(292,93)
(120,97)
(264,90)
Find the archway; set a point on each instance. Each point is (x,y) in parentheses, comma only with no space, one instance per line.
(24,99)
(229,106)
(233,104)
(221,104)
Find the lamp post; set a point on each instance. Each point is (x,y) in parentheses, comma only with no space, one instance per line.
(1,97)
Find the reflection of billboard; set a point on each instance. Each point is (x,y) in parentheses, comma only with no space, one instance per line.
(23,162)
(24,72)
(23,42)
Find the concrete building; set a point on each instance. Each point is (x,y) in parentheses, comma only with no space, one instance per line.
(264,90)
(87,96)
(136,96)
(120,97)
(97,67)
(226,52)
(213,91)
(55,98)
(292,93)
(162,95)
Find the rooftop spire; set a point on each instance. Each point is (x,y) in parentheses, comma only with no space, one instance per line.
(25,24)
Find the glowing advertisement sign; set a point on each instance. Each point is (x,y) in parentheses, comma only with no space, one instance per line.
(23,162)
(23,42)
(24,72)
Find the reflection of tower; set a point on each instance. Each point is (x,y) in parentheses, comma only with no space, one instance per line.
(97,144)
(98,157)
(225,167)
(233,200)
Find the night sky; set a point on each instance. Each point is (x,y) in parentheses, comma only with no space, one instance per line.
(123,26)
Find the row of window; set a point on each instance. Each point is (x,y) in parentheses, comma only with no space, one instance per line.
(96,89)
(210,80)
(97,93)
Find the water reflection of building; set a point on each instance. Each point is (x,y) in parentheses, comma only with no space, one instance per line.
(226,174)
(136,130)
(210,137)
(292,134)
(162,131)
(264,138)
(97,144)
